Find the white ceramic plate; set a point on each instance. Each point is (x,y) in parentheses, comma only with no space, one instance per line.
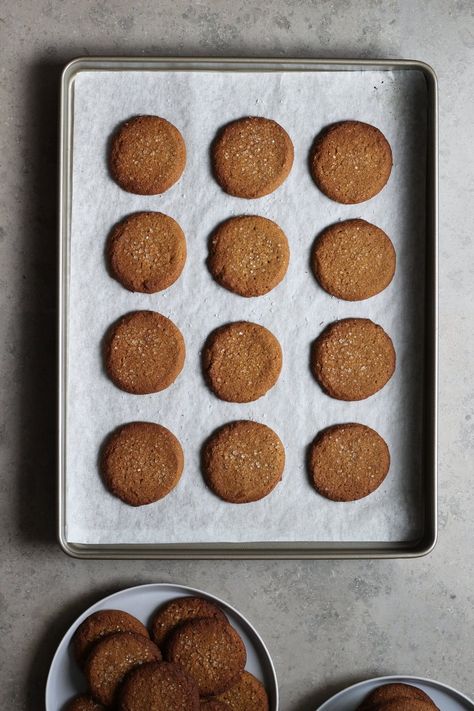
(445,697)
(65,680)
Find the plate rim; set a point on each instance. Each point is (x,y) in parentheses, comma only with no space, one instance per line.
(187,589)
(398,678)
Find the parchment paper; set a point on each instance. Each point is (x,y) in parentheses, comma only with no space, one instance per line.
(296,311)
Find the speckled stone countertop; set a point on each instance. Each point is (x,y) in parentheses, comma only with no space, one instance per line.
(327,624)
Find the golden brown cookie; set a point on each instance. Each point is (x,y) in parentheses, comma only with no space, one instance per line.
(243,461)
(351,161)
(248,255)
(84,702)
(101,624)
(389,692)
(353,260)
(353,359)
(247,695)
(241,361)
(146,252)
(348,462)
(252,157)
(159,686)
(211,652)
(147,156)
(179,610)
(144,352)
(405,703)
(141,462)
(213,705)
(112,658)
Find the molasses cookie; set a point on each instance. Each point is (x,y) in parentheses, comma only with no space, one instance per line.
(144,352)
(348,462)
(248,255)
(142,462)
(213,705)
(389,692)
(351,161)
(180,610)
(247,695)
(146,252)
(243,461)
(353,359)
(147,156)
(241,361)
(353,260)
(100,624)
(159,687)
(112,658)
(211,652)
(84,702)
(252,157)
(406,703)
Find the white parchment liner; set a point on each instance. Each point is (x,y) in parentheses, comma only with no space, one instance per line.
(296,311)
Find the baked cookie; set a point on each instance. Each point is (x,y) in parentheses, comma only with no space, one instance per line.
(348,462)
(248,255)
(351,161)
(210,651)
(389,692)
(252,157)
(100,624)
(243,461)
(147,156)
(144,352)
(405,703)
(353,359)
(213,705)
(142,462)
(241,361)
(180,610)
(84,702)
(353,260)
(159,687)
(146,252)
(247,695)
(112,658)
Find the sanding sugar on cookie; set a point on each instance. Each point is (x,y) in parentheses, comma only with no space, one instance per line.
(348,462)
(252,157)
(351,161)
(147,155)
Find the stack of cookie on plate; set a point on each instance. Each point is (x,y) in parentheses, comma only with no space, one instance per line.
(144,351)
(397,697)
(192,659)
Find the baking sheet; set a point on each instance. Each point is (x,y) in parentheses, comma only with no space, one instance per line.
(296,311)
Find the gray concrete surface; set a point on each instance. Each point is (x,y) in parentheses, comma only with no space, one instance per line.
(326,623)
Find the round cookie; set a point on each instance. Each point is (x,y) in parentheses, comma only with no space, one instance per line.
(141,462)
(144,352)
(146,252)
(252,157)
(211,652)
(243,461)
(147,156)
(84,702)
(353,260)
(112,658)
(213,705)
(353,359)
(389,692)
(248,255)
(348,462)
(241,361)
(159,687)
(180,610)
(351,161)
(406,703)
(100,624)
(247,695)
